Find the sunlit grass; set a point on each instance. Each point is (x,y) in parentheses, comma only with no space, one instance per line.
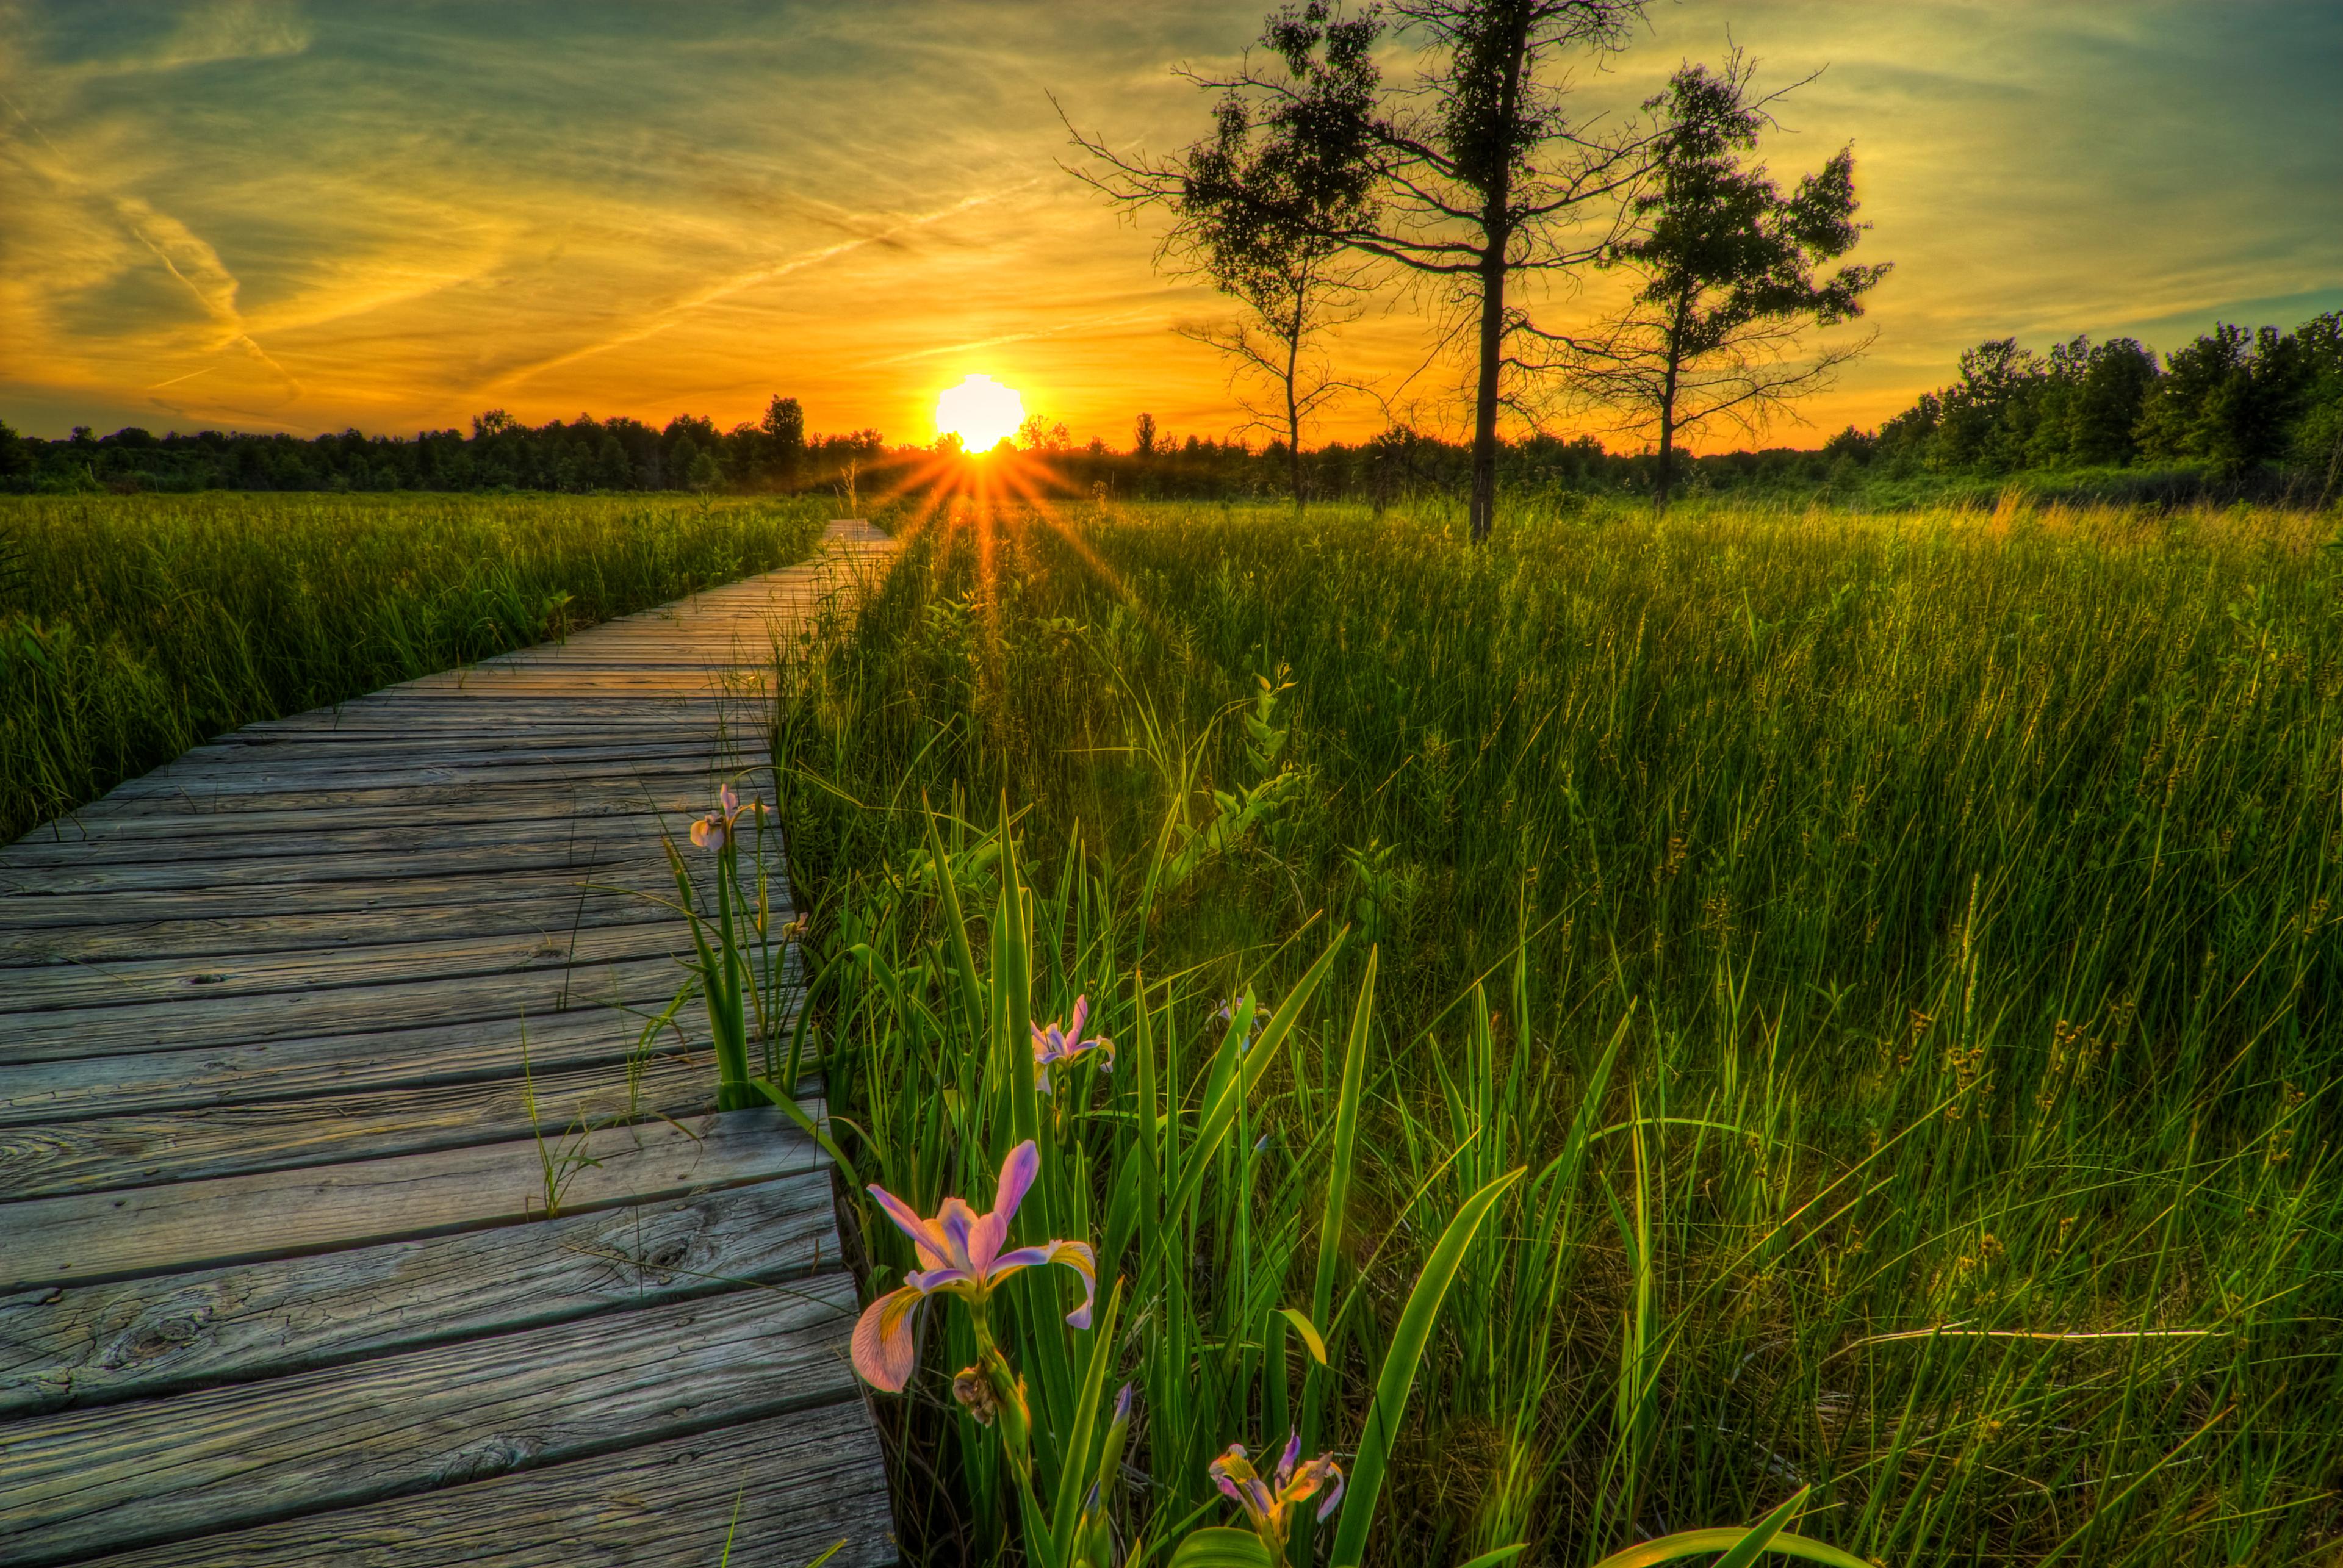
(133,628)
(1909,958)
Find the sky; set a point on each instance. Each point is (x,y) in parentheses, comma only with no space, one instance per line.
(269,214)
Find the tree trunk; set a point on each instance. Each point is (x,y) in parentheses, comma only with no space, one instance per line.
(1667,456)
(1292,407)
(1668,408)
(1484,401)
(1496,234)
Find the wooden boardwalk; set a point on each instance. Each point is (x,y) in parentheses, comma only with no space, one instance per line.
(277,1281)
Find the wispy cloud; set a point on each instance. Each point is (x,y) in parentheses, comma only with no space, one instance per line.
(888,234)
(342,212)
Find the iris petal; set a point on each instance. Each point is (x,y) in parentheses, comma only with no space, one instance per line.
(1016,1174)
(884,1353)
(958,1224)
(926,1237)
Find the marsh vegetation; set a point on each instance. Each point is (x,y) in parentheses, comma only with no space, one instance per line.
(134,626)
(1898,953)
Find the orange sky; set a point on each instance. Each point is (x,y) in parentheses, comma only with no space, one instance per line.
(392,216)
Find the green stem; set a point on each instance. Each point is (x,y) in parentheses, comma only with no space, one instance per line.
(725,1025)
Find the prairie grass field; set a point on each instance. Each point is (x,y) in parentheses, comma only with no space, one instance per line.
(1898,953)
(133,628)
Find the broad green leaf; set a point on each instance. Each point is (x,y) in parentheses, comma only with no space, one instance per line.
(1763,1531)
(1742,1545)
(1346,1140)
(1700,1542)
(1220,1547)
(956,929)
(1214,1124)
(1074,1477)
(1501,1555)
(1398,1377)
(1309,1333)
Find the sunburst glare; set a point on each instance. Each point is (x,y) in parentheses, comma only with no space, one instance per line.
(980,411)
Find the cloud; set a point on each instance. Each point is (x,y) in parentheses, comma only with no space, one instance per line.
(224,30)
(347,212)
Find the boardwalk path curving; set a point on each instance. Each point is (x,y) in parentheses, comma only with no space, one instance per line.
(277,1284)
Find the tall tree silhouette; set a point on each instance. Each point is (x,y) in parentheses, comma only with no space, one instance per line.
(1257,209)
(1476,176)
(784,431)
(1727,264)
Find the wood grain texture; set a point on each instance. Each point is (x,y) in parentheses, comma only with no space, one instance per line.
(76,1481)
(456,826)
(278,1278)
(595,847)
(100,1344)
(140,1148)
(772,1494)
(505,998)
(29,921)
(97,1236)
(44,988)
(549,913)
(551,783)
(74,1089)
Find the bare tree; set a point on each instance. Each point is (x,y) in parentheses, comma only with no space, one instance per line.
(1474,176)
(1257,215)
(1488,177)
(1279,374)
(1726,263)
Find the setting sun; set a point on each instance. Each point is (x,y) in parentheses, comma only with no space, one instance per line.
(980,411)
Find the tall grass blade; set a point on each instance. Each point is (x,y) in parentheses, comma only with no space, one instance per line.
(1402,1359)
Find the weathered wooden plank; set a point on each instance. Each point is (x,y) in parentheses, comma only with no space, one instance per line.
(100,1344)
(139,1147)
(76,1087)
(515,711)
(296,945)
(589,851)
(162,819)
(272,770)
(408,833)
(549,887)
(196,1021)
(777,1493)
(99,1236)
(558,797)
(534,724)
(73,1481)
(624,651)
(479,754)
(550,917)
(43,988)
(615,786)
(575,680)
(172,787)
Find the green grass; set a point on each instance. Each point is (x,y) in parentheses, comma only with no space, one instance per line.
(134,628)
(1910,965)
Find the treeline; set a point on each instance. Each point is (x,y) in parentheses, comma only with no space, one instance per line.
(2258,412)
(2233,405)
(500,453)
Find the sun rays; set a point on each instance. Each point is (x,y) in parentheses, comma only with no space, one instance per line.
(995,496)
